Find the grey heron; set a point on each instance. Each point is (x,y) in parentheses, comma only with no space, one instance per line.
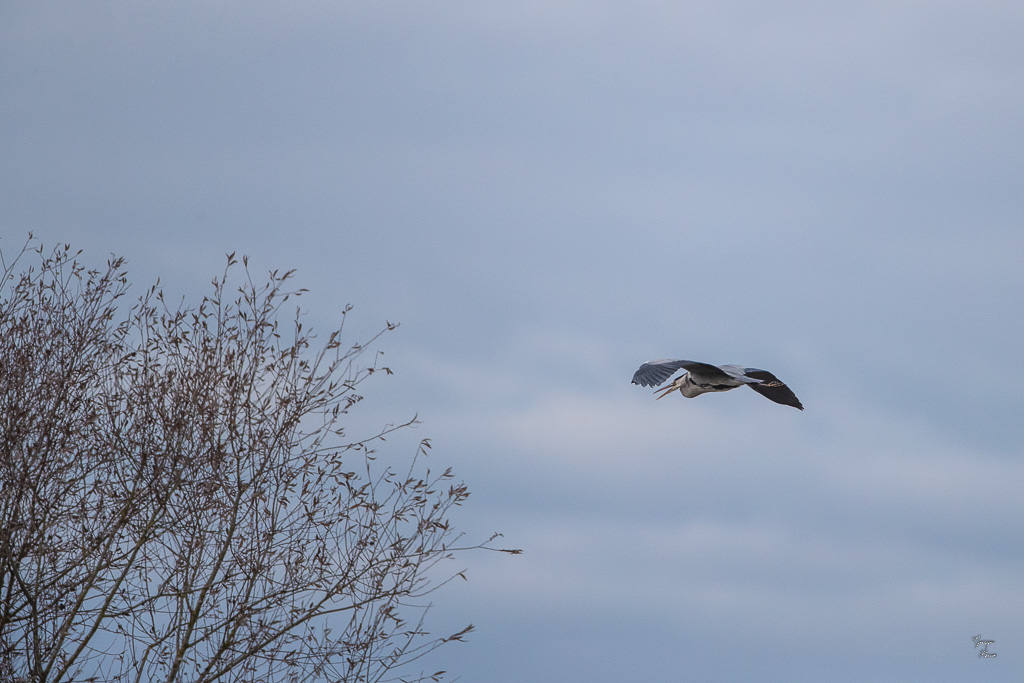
(702,378)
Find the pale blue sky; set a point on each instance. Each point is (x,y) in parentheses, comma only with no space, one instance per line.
(545,195)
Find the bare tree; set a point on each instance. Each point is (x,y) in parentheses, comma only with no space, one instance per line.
(180,501)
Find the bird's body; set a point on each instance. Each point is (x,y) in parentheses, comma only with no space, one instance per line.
(702,378)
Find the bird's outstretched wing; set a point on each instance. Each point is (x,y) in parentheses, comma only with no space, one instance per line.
(772,388)
(654,372)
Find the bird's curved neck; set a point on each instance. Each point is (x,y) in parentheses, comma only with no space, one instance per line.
(689,388)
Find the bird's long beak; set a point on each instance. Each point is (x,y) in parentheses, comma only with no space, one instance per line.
(665,391)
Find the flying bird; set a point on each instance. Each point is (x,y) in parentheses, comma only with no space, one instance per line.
(702,378)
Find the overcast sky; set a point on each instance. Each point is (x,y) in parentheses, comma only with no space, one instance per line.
(546,194)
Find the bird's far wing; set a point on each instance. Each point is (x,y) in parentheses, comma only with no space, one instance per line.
(654,372)
(772,388)
(739,373)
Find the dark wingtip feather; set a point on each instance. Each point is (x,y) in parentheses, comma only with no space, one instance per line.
(773,389)
(779,393)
